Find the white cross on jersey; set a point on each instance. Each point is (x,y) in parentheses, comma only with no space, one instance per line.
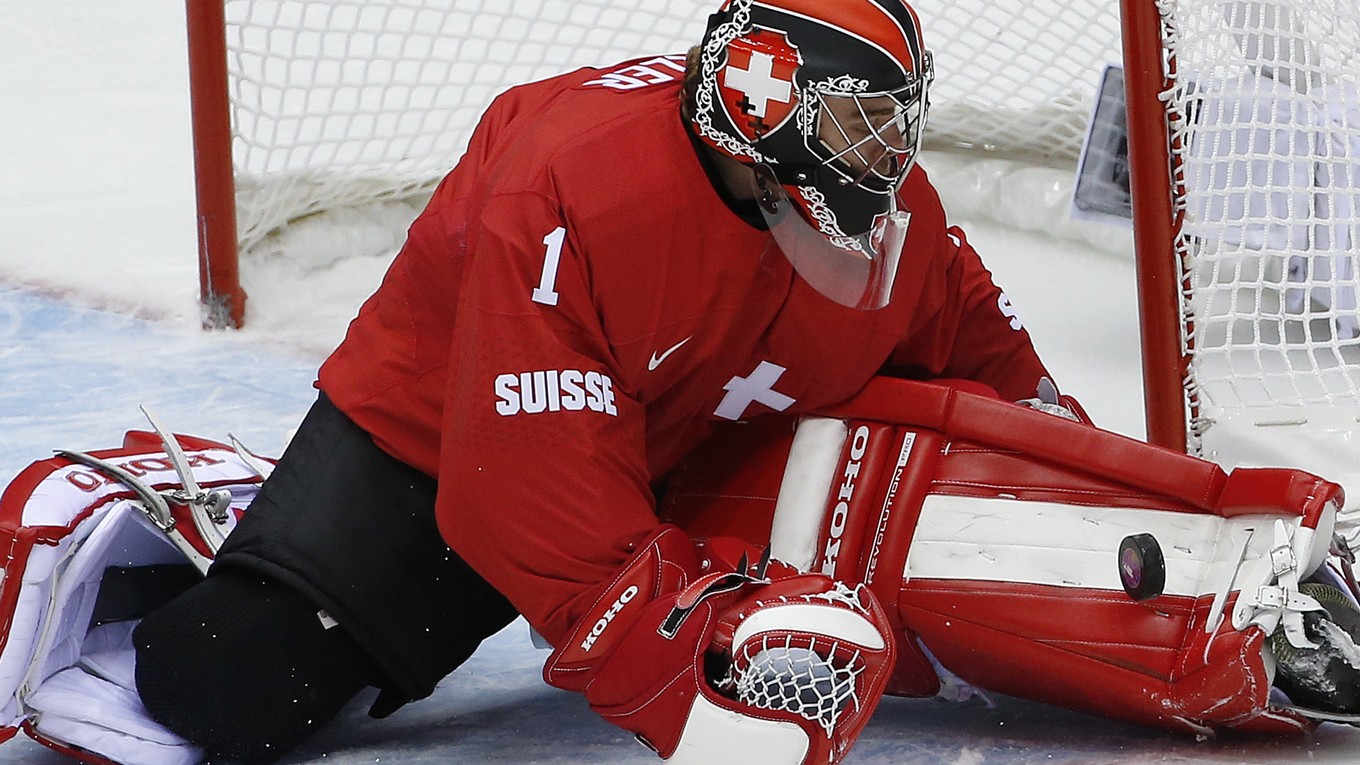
(757,387)
(759,83)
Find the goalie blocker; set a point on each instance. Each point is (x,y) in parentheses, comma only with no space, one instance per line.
(993,534)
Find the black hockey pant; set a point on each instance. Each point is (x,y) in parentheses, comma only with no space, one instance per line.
(243,665)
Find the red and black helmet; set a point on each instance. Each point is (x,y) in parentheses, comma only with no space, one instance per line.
(827,100)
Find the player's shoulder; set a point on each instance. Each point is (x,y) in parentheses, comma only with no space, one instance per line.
(576,105)
(593,138)
(629,76)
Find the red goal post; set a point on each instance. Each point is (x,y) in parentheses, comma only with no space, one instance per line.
(1159,277)
(221,298)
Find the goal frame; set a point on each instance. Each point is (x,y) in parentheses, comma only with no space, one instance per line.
(222,300)
(1147,71)
(1165,361)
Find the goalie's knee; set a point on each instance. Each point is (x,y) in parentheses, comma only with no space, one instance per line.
(243,667)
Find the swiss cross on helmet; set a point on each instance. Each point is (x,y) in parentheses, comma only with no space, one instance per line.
(826,101)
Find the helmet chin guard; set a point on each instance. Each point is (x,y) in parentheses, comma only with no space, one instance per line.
(829,101)
(855,271)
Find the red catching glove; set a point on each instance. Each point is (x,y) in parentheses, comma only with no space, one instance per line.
(729,663)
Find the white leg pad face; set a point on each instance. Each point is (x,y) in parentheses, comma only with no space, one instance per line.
(717,736)
(1206,556)
(996,540)
(992,534)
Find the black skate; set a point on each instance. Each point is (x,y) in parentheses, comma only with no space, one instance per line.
(1325,679)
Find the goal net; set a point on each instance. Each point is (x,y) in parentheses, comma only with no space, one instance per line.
(344,103)
(351,111)
(1263,112)
(341,102)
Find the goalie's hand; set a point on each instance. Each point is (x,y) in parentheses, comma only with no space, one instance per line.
(739,665)
(1049,401)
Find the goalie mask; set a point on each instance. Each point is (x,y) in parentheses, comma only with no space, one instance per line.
(826,101)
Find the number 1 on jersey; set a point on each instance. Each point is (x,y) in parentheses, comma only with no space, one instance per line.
(545,293)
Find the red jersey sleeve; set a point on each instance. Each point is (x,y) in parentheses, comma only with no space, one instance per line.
(543,483)
(967,328)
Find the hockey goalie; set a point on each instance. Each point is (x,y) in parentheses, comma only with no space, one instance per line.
(1019,551)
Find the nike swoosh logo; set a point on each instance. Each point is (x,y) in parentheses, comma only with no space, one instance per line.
(656,360)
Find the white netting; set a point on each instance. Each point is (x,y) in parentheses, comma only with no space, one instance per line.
(1265,117)
(1017,78)
(344,103)
(341,103)
(792,675)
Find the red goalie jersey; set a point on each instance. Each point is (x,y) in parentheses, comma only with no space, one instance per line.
(578,306)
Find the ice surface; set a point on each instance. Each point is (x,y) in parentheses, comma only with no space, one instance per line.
(96,211)
(72,378)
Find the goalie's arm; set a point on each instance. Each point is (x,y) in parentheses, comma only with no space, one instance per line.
(544,501)
(967,327)
(553,507)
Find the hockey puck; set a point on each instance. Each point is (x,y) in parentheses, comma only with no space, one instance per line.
(1142,568)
